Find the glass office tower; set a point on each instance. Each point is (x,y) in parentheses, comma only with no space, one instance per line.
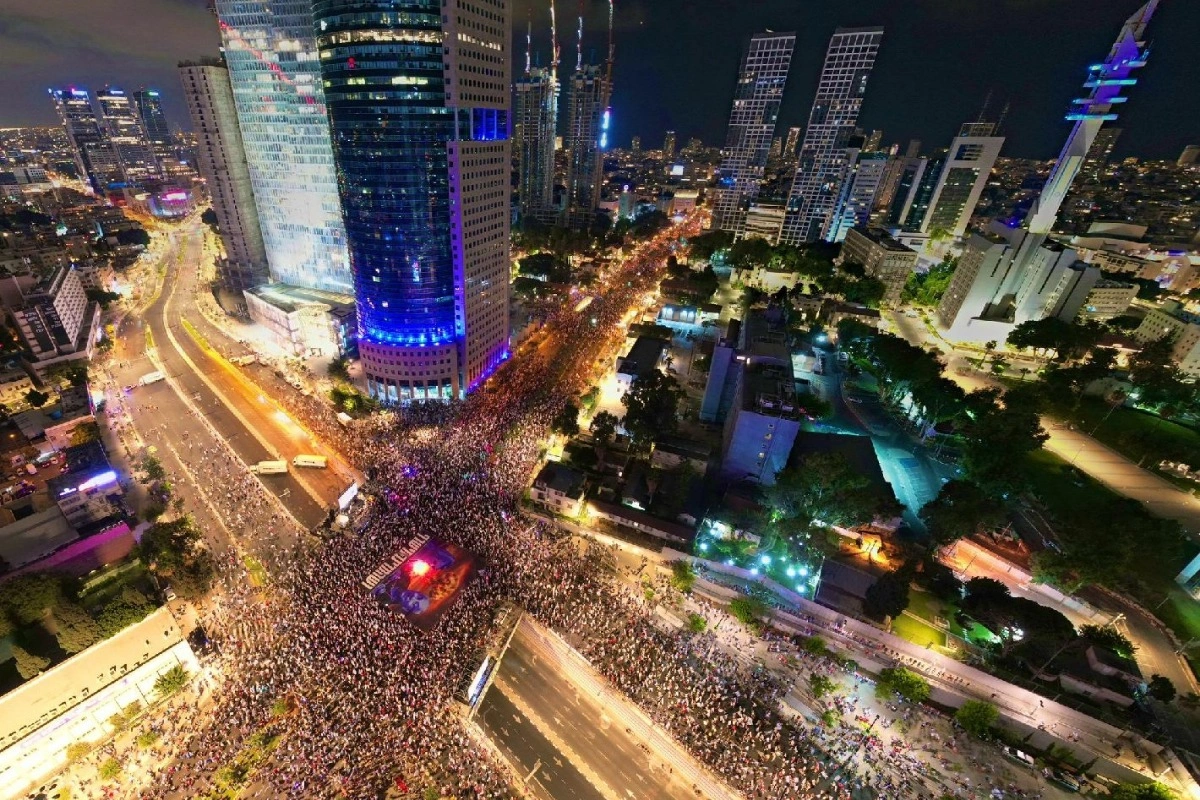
(418,98)
(272,60)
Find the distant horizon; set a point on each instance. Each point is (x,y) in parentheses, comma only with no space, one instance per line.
(1034,56)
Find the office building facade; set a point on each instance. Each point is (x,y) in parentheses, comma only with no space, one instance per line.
(669,146)
(752,119)
(272,60)
(154,122)
(962,179)
(419,112)
(221,159)
(843,83)
(864,172)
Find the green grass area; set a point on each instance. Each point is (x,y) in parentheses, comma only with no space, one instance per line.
(927,607)
(258,575)
(917,632)
(1137,435)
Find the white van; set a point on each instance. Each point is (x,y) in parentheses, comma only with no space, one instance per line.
(317,462)
(151,377)
(269,467)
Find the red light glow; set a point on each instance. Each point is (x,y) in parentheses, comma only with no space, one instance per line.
(419,568)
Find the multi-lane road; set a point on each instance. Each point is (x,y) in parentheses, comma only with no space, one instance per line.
(204,390)
(564,741)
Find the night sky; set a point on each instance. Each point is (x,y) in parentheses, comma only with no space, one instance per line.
(677,59)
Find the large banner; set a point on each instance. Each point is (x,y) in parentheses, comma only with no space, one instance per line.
(422,580)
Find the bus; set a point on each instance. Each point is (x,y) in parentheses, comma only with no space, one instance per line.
(151,377)
(269,467)
(319,462)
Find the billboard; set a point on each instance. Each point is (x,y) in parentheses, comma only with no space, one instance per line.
(422,581)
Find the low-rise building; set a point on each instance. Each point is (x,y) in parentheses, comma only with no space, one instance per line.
(882,256)
(641,360)
(304,321)
(1107,299)
(560,489)
(89,490)
(55,319)
(1170,319)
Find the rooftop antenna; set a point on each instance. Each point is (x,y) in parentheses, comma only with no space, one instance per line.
(528,44)
(611,44)
(579,41)
(987,101)
(1003,114)
(554,52)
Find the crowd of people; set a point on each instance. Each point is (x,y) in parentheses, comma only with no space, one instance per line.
(327,693)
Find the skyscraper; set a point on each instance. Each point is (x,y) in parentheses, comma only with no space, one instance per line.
(95,158)
(756,99)
(154,121)
(669,146)
(276,79)
(123,127)
(588,118)
(843,82)
(421,141)
(535,114)
(222,163)
(968,166)
(1106,80)
(1016,275)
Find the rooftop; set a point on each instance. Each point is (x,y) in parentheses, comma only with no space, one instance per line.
(882,238)
(642,357)
(561,478)
(290,298)
(857,450)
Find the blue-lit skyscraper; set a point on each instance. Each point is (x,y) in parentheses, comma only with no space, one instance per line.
(418,99)
(272,59)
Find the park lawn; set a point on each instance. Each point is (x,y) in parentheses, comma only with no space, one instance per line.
(1137,435)
(918,632)
(927,607)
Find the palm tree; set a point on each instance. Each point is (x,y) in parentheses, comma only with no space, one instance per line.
(171,681)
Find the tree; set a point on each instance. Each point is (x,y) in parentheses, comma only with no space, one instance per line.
(926,289)
(1142,791)
(75,630)
(566,421)
(339,369)
(1021,625)
(820,685)
(900,681)
(751,252)
(604,428)
(850,329)
(133,236)
(174,552)
(27,598)
(888,596)
(171,681)
(36,399)
(153,469)
(29,664)
(1160,688)
(110,769)
(827,487)
(1108,637)
(84,433)
(704,246)
(977,717)
(209,217)
(696,623)
(651,408)
(1158,382)
(1000,435)
(747,610)
(960,509)
(683,575)
(129,607)
(101,297)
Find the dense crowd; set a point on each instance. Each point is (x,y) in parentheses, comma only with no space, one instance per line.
(362,701)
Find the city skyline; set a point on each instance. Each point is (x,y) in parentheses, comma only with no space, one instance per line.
(929,46)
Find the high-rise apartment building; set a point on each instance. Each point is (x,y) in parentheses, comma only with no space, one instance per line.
(122,124)
(421,141)
(586,138)
(843,83)
(272,59)
(95,158)
(962,179)
(756,100)
(154,122)
(864,172)
(535,116)
(221,159)
(669,146)
(1101,151)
